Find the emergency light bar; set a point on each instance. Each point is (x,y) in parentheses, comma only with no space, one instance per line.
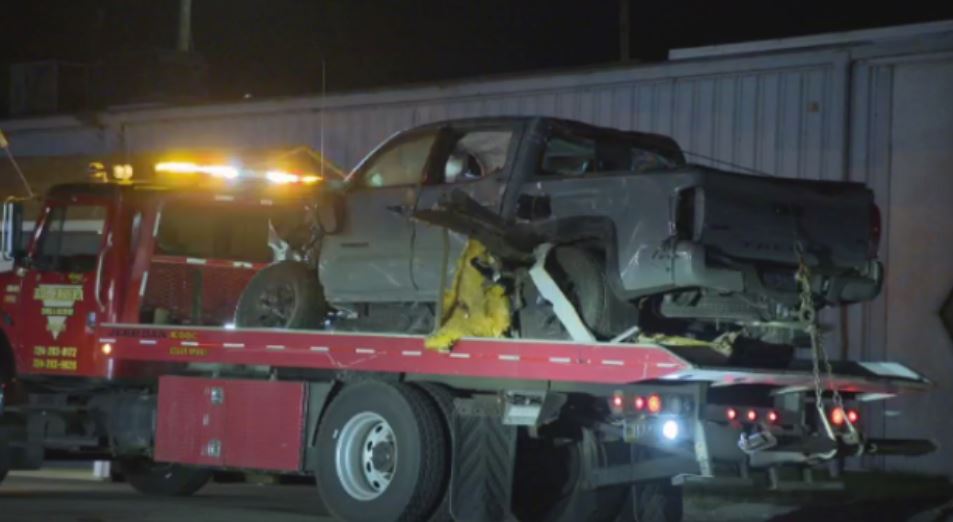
(277,177)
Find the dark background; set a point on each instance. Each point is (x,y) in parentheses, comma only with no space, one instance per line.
(266,48)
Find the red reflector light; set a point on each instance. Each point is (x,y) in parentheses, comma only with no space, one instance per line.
(731,413)
(853,416)
(640,403)
(752,415)
(655,404)
(773,417)
(837,416)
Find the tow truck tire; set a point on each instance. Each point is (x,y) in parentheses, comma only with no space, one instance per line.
(443,398)
(381,454)
(657,501)
(286,294)
(164,480)
(4,458)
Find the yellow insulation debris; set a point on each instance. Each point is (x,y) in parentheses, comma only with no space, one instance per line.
(472,305)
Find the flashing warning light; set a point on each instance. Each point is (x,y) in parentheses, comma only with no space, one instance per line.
(654,404)
(184,167)
(773,417)
(837,416)
(280,177)
(853,416)
(107,349)
(640,403)
(122,172)
(731,414)
(752,415)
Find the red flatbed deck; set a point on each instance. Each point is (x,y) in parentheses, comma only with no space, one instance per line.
(518,359)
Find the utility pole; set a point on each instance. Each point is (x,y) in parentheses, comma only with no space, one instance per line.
(185,26)
(624,10)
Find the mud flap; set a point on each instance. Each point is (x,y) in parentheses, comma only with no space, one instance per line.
(483,457)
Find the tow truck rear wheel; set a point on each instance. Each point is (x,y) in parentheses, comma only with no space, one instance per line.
(4,458)
(162,479)
(283,295)
(381,454)
(657,501)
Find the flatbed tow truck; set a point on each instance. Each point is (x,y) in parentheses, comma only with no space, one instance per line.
(100,362)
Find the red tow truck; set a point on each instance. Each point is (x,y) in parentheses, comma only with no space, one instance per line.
(116,345)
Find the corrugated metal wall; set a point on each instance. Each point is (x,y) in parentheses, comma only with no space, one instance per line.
(783,117)
(901,146)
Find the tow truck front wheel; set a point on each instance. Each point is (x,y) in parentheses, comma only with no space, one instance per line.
(381,454)
(163,479)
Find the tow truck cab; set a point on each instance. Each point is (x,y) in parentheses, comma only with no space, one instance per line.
(130,253)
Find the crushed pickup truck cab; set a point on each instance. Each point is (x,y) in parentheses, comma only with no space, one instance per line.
(641,236)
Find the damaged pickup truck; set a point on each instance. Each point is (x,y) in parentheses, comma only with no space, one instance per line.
(639,237)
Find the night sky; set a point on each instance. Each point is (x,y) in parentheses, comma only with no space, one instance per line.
(275,47)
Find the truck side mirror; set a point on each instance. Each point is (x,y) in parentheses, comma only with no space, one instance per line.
(11,230)
(330,211)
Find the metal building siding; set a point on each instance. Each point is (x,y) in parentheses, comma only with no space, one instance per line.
(903,125)
(756,118)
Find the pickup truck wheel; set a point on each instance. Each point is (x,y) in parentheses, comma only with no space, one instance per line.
(283,295)
(381,454)
(581,275)
(163,479)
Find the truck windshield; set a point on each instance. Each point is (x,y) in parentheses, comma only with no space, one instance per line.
(72,238)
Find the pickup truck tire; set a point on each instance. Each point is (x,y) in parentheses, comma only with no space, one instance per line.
(286,294)
(164,480)
(382,454)
(581,274)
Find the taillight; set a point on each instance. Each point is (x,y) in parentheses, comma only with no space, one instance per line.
(875,231)
(731,414)
(752,415)
(853,416)
(617,402)
(837,416)
(640,403)
(773,417)
(654,404)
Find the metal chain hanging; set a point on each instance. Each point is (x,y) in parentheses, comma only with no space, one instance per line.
(807,314)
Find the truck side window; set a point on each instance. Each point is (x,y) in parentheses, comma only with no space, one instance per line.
(401,164)
(71,239)
(477,154)
(568,157)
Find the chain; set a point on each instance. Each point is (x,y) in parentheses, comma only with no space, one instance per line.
(807,313)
